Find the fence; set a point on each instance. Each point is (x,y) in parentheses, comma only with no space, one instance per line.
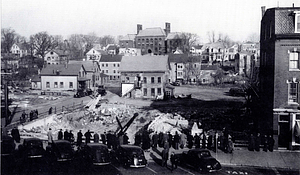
(46,112)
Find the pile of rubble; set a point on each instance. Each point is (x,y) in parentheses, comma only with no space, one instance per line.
(100,118)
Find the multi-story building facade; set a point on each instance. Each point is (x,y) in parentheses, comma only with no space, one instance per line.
(215,52)
(56,57)
(127,41)
(152,40)
(280,75)
(19,49)
(110,65)
(177,64)
(95,54)
(145,76)
(57,78)
(93,72)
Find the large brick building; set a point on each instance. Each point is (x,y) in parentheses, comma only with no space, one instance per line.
(152,40)
(280,75)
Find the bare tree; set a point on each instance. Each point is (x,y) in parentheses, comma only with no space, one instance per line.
(43,43)
(107,39)
(76,46)
(211,36)
(253,37)
(8,38)
(184,41)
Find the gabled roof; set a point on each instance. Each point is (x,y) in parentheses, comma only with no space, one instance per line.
(128,37)
(157,31)
(36,78)
(88,65)
(59,52)
(111,58)
(174,35)
(69,70)
(178,58)
(102,52)
(198,46)
(209,67)
(111,47)
(194,59)
(214,45)
(21,46)
(144,64)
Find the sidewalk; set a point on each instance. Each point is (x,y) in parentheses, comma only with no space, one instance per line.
(243,157)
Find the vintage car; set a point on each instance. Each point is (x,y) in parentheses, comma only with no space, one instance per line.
(31,148)
(94,154)
(60,151)
(7,154)
(200,159)
(130,156)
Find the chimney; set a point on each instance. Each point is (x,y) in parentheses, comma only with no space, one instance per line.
(263,10)
(139,28)
(168,28)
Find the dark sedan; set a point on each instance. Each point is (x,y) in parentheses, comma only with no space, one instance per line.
(130,156)
(32,148)
(94,153)
(7,154)
(201,160)
(60,150)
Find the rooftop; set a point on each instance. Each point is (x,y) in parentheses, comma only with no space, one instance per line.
(69,70)
(144,64)
(111,58)
(157,31)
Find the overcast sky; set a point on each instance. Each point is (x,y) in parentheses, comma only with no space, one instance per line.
(237,18)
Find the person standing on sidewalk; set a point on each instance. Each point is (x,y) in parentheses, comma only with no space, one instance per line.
(197,141)
(230,144)
(265,142)
(182,140)
(87,136)
(154,140)
(60,135)
(176,140)
(79,138)
(251,143)
(257,142)
(174,161)
(50,137)
(270,143)
(165,154)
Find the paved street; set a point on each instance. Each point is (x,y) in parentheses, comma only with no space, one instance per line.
(42,168)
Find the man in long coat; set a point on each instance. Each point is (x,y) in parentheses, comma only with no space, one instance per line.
(79,138)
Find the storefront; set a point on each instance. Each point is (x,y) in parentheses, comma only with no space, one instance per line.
(287,126)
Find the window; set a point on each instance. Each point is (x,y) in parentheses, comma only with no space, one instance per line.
(145,91)
(179,73)
(106,71)
(70,84)
(158,79)
(158,91)
(293,92)
(297,22)
(294,60)
(152,92)
(61,84)
(114,71)
(106,65)
(114,65)
(102,71)
(118,65)
(47,84)
(145,80)
(152,79)
(102,65)
(55,85)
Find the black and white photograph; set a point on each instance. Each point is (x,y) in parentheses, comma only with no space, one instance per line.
(150,87)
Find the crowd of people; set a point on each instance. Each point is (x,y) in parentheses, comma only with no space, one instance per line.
(32,115)
(256,141)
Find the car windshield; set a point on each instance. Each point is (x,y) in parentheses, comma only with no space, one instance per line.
(203,154)
(34,143)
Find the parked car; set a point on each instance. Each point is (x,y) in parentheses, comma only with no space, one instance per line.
(200,159)
(60,151)
(31,148)
(130,156)
(80,93)
(176,83)
(94,154)
(7,154)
